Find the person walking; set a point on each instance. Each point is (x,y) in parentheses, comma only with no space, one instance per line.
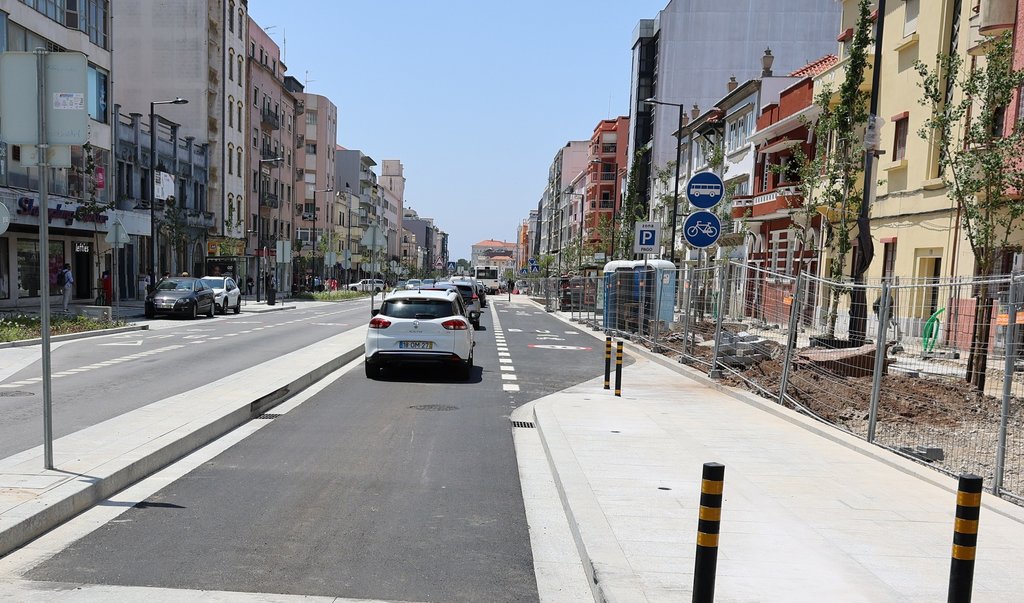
(66,280)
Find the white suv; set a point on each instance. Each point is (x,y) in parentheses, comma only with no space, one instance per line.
(420,327)
(367,284)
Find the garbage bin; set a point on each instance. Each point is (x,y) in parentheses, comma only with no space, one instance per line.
(271,296)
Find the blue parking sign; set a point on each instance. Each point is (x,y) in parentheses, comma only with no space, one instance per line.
(705,190)
(702,229)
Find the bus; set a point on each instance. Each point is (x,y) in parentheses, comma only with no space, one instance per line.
(488,275)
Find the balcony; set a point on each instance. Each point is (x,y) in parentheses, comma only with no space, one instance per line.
(779,202)
(271,119)
(608,176)
(270,200)
(199,219)
(267,153)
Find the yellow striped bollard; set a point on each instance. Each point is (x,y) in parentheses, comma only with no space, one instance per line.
(708,525)
(607,361)
(965,538)
(618,370)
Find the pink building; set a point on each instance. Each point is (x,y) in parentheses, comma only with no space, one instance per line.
(271,126)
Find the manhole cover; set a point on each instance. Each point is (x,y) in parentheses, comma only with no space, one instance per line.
(434,407)
(15,393)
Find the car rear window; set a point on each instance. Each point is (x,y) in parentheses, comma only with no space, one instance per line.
(418,308)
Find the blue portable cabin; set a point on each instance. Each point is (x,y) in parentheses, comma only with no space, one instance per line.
(611,291)
(659,287)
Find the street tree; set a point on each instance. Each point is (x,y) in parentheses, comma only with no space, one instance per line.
(980,164)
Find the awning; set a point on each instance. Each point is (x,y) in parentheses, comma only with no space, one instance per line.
(781,145)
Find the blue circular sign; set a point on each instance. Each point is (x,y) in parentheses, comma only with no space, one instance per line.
(702,229)
(705,190)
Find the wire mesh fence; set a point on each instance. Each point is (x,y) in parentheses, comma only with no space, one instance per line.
(945,386)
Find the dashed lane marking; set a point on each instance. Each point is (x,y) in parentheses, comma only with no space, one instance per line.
(508,377)
(510,387)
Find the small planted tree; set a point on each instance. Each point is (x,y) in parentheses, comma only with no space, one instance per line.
(831,179)
(632,209)
(981,161)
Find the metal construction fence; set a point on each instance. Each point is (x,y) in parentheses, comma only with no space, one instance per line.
(945,388)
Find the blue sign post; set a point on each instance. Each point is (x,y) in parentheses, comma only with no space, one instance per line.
(705,190)
(451,266)
(523,271)
(534,267)
(702,229)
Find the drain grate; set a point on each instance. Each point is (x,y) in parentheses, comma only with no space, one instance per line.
(268,416)
(434,407)
(15,394)
(523,424)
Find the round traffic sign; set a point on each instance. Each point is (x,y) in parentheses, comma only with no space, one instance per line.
(702,229)
(705,190)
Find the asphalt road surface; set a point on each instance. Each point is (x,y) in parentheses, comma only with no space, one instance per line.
(404,488)
(97,378)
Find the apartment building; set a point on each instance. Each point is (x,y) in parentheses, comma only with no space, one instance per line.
(75,238)
(354,174)
(568,164)
(191,49)
(392,181)
(604,186)
(684,55)
(268,217)
(315,170)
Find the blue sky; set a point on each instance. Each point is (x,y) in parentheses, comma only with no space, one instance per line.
(475,97)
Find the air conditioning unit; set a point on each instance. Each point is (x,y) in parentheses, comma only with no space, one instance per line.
(307,217)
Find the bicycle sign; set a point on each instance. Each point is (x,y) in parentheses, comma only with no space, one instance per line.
(705,190)
(702,229)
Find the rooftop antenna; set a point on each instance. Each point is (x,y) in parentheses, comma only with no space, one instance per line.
(306,84)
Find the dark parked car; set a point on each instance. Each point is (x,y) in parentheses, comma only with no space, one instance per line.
(181,295)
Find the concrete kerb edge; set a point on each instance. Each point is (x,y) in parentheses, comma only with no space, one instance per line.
(609,573)
(948,483)
(56,514)
(71,336)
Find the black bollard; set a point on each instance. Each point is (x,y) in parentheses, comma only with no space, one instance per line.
(607,361)
(618,370)
(965,538)
(708,525)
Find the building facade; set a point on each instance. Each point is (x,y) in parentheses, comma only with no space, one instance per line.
(315,178)
(268,218)
(190,50)
(685,54)
(75,235)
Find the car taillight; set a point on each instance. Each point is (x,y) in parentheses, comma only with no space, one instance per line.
(379,323)
(454,325)
(475,297)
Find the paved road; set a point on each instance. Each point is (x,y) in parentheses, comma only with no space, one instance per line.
(97,378)
(405,488)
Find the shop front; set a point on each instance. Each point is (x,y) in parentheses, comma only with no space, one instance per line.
(75,238)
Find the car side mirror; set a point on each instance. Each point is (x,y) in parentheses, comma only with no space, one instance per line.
(374,312)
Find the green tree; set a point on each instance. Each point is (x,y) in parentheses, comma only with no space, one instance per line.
(980,164)
(632,208)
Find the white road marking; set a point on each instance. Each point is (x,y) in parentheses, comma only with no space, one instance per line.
(510,387)
(506,377)
(515,330)
(505,354)
(504,360)
(131,343)
(508,368)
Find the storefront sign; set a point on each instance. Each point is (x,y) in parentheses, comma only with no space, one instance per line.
(27,207)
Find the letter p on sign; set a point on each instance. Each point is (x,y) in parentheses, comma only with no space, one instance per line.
(647,237)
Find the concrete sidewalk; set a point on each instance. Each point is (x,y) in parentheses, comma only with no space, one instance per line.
(809,513)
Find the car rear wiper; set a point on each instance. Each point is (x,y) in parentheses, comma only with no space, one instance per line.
(425,315)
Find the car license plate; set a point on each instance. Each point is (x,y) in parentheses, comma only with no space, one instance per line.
(415,345)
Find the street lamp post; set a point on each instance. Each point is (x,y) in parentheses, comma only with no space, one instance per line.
(315,212)
(259,219)
(675,195)
(152,180)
